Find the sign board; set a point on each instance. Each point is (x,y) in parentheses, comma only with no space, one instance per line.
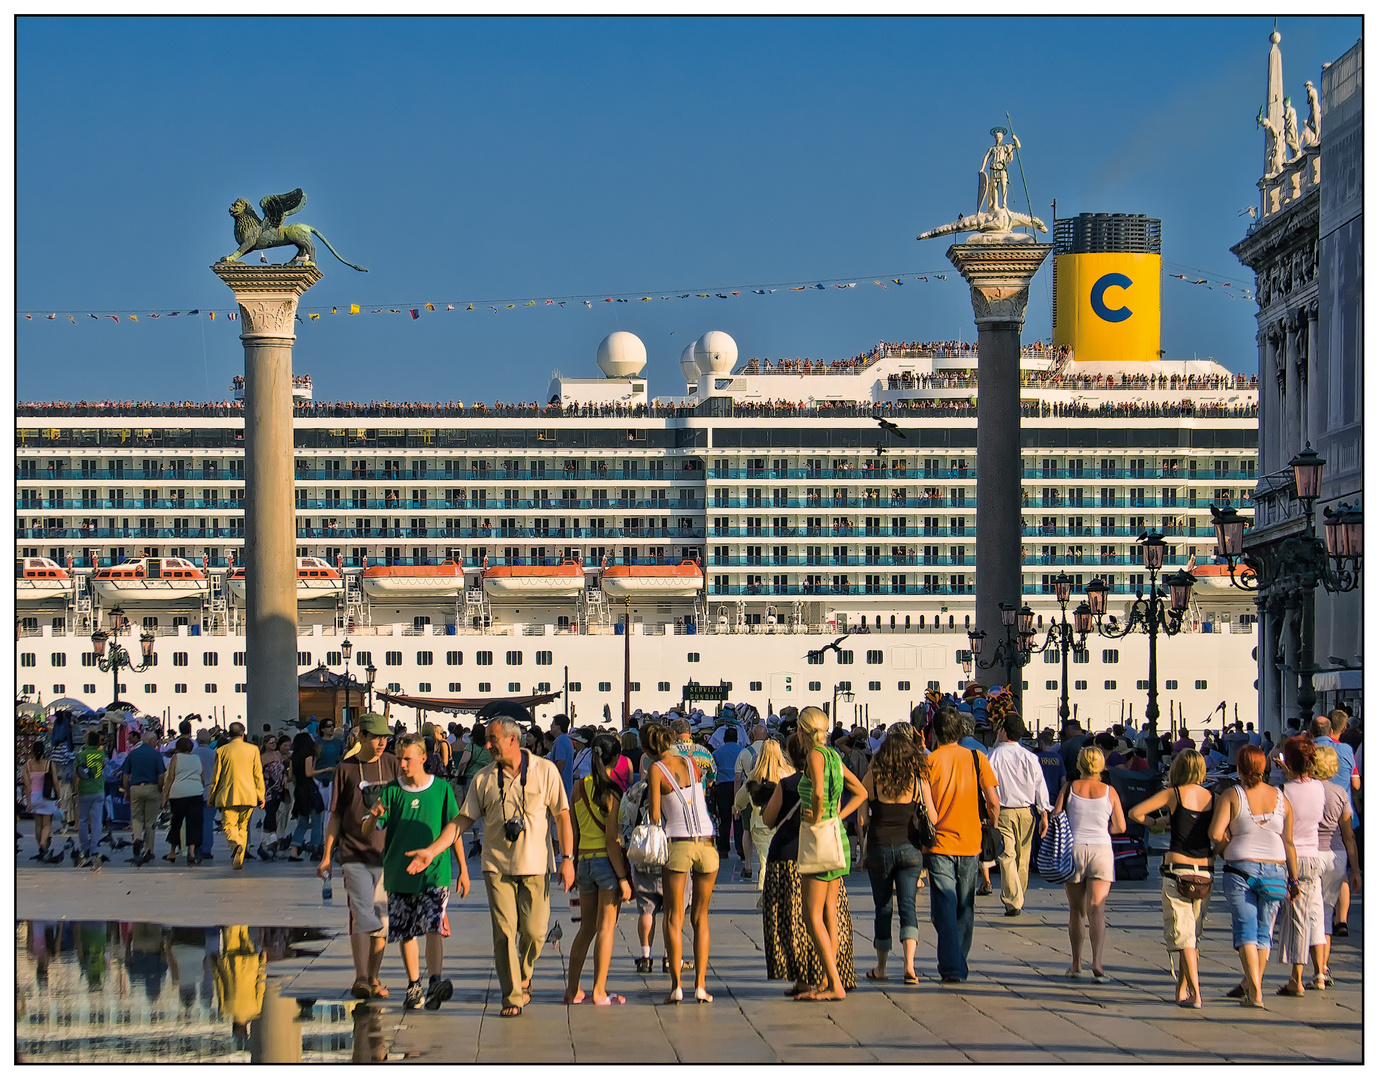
(695,692)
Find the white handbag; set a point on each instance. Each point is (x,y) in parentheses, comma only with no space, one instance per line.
(821,847)
(648,849)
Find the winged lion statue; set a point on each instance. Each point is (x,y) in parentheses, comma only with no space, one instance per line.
(255,234)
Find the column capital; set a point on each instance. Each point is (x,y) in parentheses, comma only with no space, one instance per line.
(999,274)
(267,297)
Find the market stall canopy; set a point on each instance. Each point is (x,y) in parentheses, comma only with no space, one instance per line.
(460,705)
(72,705)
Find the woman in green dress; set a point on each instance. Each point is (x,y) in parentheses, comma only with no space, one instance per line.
(821,792)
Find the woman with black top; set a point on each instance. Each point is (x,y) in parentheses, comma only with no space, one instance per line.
(893,785)
(790,954)
(307,803)
(1186,868)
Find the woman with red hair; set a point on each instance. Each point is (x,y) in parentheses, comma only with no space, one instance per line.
(1253,830)
(1304,925)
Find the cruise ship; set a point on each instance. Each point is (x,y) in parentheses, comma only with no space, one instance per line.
(736,528)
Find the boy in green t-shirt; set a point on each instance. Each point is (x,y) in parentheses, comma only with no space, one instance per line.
(414,809)
(89,772)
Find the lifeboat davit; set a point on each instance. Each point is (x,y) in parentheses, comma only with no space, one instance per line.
(40,579)
(562,582)
(150,581)
(317,580)
(445,580)
(684,581)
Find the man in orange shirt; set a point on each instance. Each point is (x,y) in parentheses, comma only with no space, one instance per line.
(958,777)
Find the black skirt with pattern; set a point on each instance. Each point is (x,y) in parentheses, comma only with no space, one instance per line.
(790,953)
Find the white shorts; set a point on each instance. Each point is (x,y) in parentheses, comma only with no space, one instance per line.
(367,900)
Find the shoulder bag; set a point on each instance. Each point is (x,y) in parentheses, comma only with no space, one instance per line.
(50,791)
(922,833)
(993,843)
(822,850)
(1054,860)
(649,847)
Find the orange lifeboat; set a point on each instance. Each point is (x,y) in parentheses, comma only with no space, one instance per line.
(684,581)
(445,580)
(40,579)
(1216,575)
(562,582)
(316,580)
(150,581)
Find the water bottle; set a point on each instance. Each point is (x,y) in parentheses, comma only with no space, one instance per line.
(326,891)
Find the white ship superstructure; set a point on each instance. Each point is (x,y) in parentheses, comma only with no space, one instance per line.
(757,517)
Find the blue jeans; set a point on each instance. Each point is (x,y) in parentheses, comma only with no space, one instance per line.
(90,815)
(1252,920)
(894,871)
(952,909)
(303,823)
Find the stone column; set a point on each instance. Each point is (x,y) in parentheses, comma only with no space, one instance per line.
(267,297)
(1292,395)
(1314,377)
(999,268)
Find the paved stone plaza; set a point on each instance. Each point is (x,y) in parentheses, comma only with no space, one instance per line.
(1017,1005)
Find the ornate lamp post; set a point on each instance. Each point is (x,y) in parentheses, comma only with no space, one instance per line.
(117,656)
(847,695)
(372,673)
(1151,614)
(1012,653)
(1291,570)
(346,648)
(1061,636)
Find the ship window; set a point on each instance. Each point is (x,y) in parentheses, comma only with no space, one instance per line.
(363,659)
(543,659)
(484,658)
(874,656)
(605,687)
(59,659)
(1080,684)
(304,659)
(873,686)
(662,687)
(392,659)
(239,659)
(1110,684)
(454,688)
(902,685)
(514,688)
(485,688)
(1170,684)
(88,659)
(423,659)
(754,687)
(1110,656)
(637,687)
(844,656)
(455,658)
(28,659)
(692,658)
(333,659)
(241,688)
(575,687)
(150,688)
(1051,684)
(513,659)
(210,659)
(815,687)
(179,688)
(1200,684)
(179,659)
(423,688)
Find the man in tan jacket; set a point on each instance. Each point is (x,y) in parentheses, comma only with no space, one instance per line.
(237,789)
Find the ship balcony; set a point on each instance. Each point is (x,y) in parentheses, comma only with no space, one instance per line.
(858,475)
(440,504)
(858,502)
(826,560)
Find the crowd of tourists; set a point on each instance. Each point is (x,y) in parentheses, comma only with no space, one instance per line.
(652,815)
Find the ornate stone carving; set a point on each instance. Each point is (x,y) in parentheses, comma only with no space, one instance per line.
(999,304)
(999,275)
(267,296)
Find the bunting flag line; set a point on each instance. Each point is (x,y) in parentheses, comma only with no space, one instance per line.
(1188,275)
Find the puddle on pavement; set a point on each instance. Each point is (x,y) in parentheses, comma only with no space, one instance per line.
(143,992)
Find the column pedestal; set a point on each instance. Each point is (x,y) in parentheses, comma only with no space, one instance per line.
(267,298)
(999,268)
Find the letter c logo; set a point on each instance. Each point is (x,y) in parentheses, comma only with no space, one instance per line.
(1110,281)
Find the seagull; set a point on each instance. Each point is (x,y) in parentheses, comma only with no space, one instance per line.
(263,258)
(887,425)
(817,655)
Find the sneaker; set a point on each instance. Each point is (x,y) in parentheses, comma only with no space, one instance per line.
(438,992)
(237,857)
(644,965)
(415,996)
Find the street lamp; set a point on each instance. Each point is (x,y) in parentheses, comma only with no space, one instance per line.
(118,656)
(847,695)
(346,648)
(1157,613)
(372,673)
(1290,570)
(1011,653)
(1060,636)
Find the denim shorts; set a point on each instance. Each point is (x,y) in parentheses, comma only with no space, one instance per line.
(595,873)
(1252,919)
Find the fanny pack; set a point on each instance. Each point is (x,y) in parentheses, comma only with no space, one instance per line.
(1266,889)
(1193,883)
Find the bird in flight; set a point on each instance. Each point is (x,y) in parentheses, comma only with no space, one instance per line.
(887,425)
(817,655)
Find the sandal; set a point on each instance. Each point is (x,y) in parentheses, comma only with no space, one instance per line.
(361,989)
(509,1011)
(611,999)
(911,979)
(1286,990)
(378,989)
(872,976)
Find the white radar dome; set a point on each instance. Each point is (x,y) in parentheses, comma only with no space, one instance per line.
(688,365)
(621,355)
(715,353)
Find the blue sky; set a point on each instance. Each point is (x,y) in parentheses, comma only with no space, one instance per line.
(499,158)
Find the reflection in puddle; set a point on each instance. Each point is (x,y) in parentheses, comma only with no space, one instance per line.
(141,992)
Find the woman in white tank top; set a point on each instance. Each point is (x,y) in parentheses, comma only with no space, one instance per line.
(1094,812)
(1304,919)
(1253,829)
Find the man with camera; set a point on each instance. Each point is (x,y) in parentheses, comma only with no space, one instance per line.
(515,796)
(357,783)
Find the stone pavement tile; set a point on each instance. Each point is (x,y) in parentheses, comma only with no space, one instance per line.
(712,1033)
